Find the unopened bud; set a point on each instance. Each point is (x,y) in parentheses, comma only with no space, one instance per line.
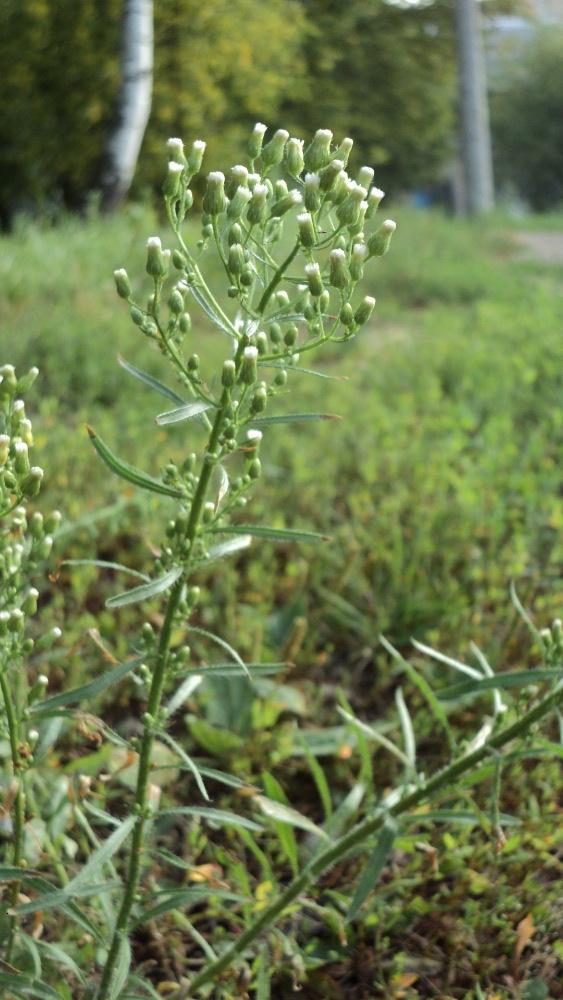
(249,367)
(306,229)
(291,200)
(184,322)
(179,260)
(229,374)
(339,274)
(32,482)
(122,283)
(294,160)
(236,261)
(312,192)
(364,310)
(256,140)
(214,200)
(8,380)
(330,174)
(314,280)
(257,207)
(25,383)
(176,302)
(290,335)
(237,177)
(375,195)
(47,640)
(21,459)
(344,150)
(262,342)
(365,176)
(4,448)
(272,152)
(238,202)
(347,315)
(318,154)
(378,243)
(255,468)
(29,603)
(359,252)
(172,181)
(156,265)
(195,157)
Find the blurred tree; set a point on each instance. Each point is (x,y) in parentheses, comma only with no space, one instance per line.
(527,115)
(384,74)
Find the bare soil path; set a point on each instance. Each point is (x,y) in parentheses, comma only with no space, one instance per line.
(546,247)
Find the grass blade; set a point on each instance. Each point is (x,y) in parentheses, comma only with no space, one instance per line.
(424,687)
(146,590)
(373,868)
(128,472)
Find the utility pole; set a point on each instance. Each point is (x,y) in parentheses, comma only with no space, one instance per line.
(476,153)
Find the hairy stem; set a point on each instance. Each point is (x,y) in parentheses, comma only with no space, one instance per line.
(19,803)
(368,827)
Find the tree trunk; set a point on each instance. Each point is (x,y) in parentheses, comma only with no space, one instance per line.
(134,103)
(474,111)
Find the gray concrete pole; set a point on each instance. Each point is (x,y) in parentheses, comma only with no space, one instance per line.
(475,132)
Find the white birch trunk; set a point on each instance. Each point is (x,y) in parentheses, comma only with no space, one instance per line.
(134,103)
(474,110)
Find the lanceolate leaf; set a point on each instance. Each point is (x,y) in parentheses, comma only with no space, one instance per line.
(220,816)
(285,814)
(274,534)
(122,967)
(20,985)
(86,691)
(146,590)
(149,380)
(229,548)
(178,898)
(103,564)
(58,899)
(185,412)
(128,472)
(292,418)
(302,371)
(373,868)
(511,679)
(235,670)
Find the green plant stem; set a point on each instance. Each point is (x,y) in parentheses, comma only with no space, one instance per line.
(153,704)
(19,802)
(367,828)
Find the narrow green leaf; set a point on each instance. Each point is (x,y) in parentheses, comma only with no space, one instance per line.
(10,873)
(235,670)
(220,816)
(346,811)
(122,966)
(187,760)
(229,779)
(229,548)
(406,726)
(286,814)
(27,986)
(373,868)
(510,679)
(103,564)
(149,380)
(442,658)
(185,412)
(263,991)
(196,630)
(284,831)
(292,418)
(128,472)
(146,590)
(59,956)
(424,687)
(275,534)
(86,691)
(302,371)
(101,856)
(59,898)
(182,694)
(208,310)
(377,736)
(457,816)
(524,614)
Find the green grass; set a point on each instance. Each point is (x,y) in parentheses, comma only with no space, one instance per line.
(440,484)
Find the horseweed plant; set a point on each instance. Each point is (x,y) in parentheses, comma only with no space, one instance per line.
(288,231)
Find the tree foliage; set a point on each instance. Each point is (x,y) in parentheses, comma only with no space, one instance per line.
(528,123)
(381,73)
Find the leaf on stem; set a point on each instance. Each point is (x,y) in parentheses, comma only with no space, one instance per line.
(292,418)
(85,691)
(374,867)
(274,534)
(146,590)
(229,548)
(128,472)
(219,816)
(281,813)
(149,380)
(185,412)
(302,371)
(510,679)
(104,564)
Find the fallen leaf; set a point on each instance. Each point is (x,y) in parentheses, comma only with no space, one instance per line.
(524,934)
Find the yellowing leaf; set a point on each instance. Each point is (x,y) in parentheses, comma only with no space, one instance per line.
(524,934)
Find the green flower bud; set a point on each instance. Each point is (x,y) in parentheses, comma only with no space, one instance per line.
(16,620)
(156,265)
(344,150)
(364,310)
(122,283)
(282,298)
(25,383)
(257,208)
(249,367)
(290,200)
(312,192)
(45,546)
(259,400)
(314,280)
(229,374)
(253,180)
(324,300)
(247,277)
(237,177)
(184,322)
(359,252)
(262,342)
(347,315)
(29,603)
(4,620)
(176,301)
(330,173)
(379,242)
(36,525)
(318,154)
(8,380)
(238,203)
(26,432)
(294,161)
(306,230)
(235,233)
(193,363)
(365,177)
(21,458)
(195,158)
(236,260)
(275,333)
(208,512)
(179,261)
(339,274)
(290,335)
(255,468)
(10,481)
(281,378)
(339,191)
(256,140)
(4,448)
(173,180)
(214,200)
(48,639)
(272,152)
(32,483)
(374,197)
(280,189)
